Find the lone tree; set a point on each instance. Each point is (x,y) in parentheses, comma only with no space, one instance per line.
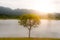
(29,21)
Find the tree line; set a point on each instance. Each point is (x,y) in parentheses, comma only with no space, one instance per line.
(8,13)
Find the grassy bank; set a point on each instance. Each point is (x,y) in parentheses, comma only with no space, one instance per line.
(29,39)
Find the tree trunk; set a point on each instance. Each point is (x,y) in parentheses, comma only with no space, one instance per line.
(29,33)
(29,29)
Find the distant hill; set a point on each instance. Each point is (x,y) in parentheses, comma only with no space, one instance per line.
(8,13)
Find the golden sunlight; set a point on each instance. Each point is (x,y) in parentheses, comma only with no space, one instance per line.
(44,6)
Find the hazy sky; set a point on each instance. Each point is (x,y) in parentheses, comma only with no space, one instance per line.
(41,5)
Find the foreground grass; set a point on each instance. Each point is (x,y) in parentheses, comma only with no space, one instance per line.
(29,39)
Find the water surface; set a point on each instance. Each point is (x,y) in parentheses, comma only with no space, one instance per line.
(11,28)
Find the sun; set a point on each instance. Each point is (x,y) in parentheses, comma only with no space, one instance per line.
(43,6)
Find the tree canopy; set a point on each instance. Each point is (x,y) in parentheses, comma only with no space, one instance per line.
(29,20)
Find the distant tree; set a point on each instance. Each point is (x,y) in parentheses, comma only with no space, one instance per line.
(50,17)
(29,21)
(57,16)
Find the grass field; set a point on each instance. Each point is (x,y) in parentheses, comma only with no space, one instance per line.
(29,39)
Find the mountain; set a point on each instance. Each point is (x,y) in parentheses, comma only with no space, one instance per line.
(6,12)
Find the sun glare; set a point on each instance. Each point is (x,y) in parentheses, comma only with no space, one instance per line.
(44,6)
(39,5)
